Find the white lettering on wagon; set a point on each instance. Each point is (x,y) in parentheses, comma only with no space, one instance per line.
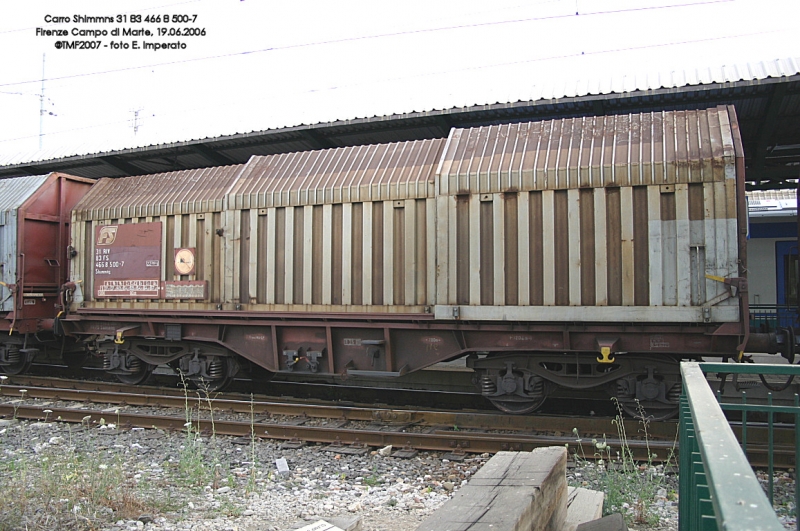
(658,342)
(129,288)
(432,342)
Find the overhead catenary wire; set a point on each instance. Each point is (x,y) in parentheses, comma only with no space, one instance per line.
(446,72)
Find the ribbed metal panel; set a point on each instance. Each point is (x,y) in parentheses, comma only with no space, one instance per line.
(622,150)
(601,219)
(160,194)
(13,193)
(371,256)
(345,229)
(575,219)
(396,171)
(187,204)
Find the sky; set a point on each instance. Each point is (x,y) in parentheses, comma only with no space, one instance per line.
(251,65)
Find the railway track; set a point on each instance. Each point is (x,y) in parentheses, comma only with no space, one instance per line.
(348,428)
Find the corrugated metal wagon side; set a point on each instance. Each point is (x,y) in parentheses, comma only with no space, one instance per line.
(600,219)
(341,230)
(579,253)
(149,245)
(148,219)
(34,247)
(616,235)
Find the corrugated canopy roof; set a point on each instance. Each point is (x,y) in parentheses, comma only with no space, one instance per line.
(399,170)
(635,149)
(178,192)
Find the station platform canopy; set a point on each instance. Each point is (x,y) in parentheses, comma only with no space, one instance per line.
(766,96)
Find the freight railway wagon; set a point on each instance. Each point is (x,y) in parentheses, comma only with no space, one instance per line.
(580,253)
(34,258)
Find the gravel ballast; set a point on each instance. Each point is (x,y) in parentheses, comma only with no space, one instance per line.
(56,475)
(76,477)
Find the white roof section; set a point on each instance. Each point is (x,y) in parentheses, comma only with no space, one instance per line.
(770,203)
(15,191)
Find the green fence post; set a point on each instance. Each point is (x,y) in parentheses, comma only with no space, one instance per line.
(744,423)
(685,493)
(771,447)
(796,455)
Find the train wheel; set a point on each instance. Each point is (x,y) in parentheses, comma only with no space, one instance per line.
(140,371)
(126,367)
(208,373)
(210,386)
(16,362)
(516,406)
(20,367)
(513,391)
(138,377)
(651,395)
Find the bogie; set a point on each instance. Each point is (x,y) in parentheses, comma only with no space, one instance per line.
(644,386)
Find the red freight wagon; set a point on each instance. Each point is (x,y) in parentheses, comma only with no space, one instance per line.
(34,242)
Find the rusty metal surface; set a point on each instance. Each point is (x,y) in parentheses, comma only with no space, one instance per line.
(412,343)
(339,435)
(401,170)
(667,147)
(34,239)
(321,234)
(94,392)
(366,426)
(428,430)
(572,219)
(127,260)
(172,193)
(566,220)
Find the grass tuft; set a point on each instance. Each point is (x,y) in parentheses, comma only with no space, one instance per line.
(629,485)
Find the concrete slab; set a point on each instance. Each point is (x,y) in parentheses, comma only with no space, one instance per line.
(320,525)
(583,505)
(612,522)
(341,523)
(514,491)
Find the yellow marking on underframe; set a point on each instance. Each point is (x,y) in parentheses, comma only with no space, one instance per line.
(605,353)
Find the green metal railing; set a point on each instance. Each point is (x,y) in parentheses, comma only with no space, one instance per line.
(718,488)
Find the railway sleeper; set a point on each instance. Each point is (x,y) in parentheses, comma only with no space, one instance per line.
(643,386)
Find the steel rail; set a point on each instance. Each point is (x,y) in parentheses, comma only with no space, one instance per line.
(117,393)
(437,440)
(437,431)
(141,395)
(339,435)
